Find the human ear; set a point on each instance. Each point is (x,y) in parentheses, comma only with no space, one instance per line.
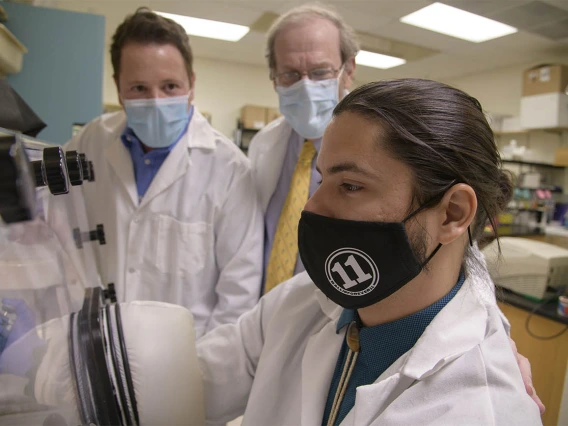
(457,212)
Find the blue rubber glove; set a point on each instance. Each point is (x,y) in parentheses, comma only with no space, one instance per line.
(18,321)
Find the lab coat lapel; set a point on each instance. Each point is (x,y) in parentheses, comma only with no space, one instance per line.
(119,158)
(174,167)
(199,135)
(318,365)
(272,151)
(443,341)
(372,400)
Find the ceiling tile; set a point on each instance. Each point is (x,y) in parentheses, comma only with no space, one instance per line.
(362,21)
(555,31)
(519,42)
(419,36)
(562,4)
(382,9)
(379,17)
(530,15)
(223,11)
(485,7)
(249,50)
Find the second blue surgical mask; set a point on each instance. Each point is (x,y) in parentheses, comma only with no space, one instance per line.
(158,122)
(308,105)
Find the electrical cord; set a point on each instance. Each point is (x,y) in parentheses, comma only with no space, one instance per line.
(535,310)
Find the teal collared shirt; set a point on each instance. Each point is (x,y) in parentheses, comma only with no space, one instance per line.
(381,346)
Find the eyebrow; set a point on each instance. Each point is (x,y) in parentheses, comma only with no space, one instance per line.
(143,83)
(346,167)
(319,65)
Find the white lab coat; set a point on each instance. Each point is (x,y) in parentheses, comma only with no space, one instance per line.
(276,364)
(195,239)
(267,152)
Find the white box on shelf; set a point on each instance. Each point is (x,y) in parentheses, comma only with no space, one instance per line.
(545,111)
(511,125)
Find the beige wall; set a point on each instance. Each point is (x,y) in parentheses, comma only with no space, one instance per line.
(221,89)
(499,91)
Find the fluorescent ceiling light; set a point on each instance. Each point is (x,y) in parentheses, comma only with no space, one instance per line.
(457,23)
(206,28)
(376,60)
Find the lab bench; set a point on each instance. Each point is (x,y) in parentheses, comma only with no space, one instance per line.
(547,310)
(548,358)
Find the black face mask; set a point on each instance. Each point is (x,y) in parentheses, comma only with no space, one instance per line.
(357,264)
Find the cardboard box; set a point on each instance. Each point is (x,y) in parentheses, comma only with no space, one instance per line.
(545,111)
(545,79)
(561,156)
(272,114)
(253,117)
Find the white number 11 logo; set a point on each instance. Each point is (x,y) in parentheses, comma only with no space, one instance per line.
(348,282)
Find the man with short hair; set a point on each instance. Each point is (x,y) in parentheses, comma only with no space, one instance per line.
(370,335)
(311,54)
(176,197)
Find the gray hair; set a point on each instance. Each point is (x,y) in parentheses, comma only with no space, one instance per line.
(348,44)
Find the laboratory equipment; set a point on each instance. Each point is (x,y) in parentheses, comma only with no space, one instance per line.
(69,353)
(527,266)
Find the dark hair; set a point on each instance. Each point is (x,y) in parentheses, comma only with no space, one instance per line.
(147,27)
(442,134)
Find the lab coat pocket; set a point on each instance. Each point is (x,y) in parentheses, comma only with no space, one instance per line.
(182,246)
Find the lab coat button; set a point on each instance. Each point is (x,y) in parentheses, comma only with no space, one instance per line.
(131,270)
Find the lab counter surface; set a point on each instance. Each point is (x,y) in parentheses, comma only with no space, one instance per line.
(548,358)
(547,310)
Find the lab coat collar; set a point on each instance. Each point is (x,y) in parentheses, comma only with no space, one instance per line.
(320,356)
(267,152)
(444,339)
(117,154)
(199,135)
(469,304)
(279,130)
(330,309)
(318,364)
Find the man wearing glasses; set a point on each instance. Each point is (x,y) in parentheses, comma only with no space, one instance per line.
(311,54)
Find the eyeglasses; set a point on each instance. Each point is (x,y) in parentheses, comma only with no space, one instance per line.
(288,78)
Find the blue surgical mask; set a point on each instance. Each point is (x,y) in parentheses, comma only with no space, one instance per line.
(308,105)
(157,122)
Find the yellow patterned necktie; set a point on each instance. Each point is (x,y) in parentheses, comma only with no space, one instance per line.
(283,256)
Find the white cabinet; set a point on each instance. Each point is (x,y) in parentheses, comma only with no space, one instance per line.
(545,111)
(11,52)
